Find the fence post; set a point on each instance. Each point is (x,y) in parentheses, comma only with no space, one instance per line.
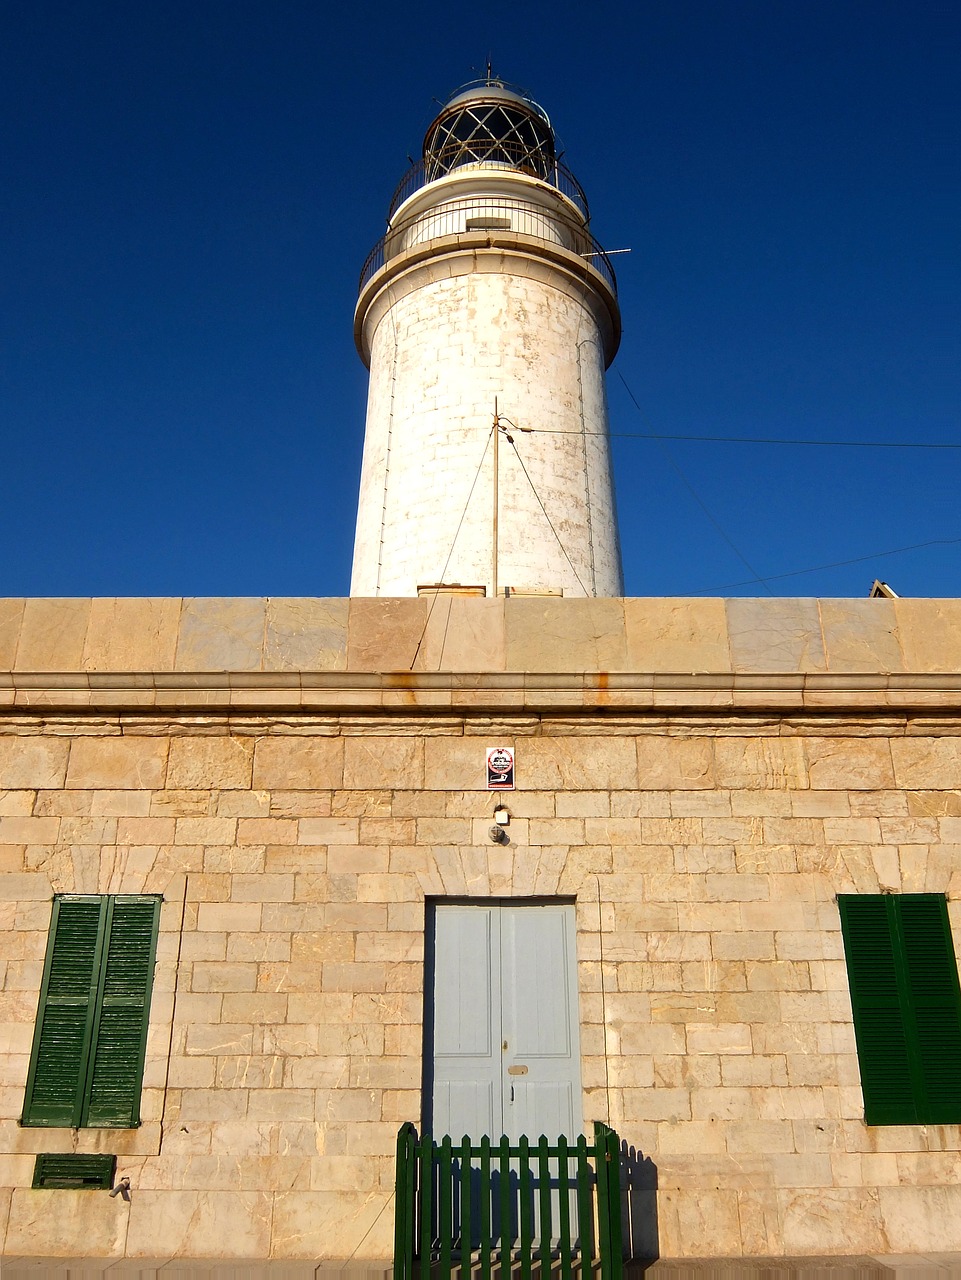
(614,1200)
(426,1159)
(608,1157)
(404,1204)
(603,1204)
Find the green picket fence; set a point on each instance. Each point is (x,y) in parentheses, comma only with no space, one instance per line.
(529,1208)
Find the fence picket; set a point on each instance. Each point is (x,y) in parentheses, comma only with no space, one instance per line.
(404,1206)
(466,1196)
(526,1207)
(564,1207)
(445,1199)
(616,1242)
(585,1206)
(426,1193)
(601,1161)
(485,1208)
(544,1178)
(505,1199)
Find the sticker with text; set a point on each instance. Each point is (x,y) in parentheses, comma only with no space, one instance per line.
(500,768)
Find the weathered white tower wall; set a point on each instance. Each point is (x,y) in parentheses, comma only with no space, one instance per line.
(488,290)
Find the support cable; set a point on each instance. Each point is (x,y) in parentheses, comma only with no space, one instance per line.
(835,564)
(510,441)
(450,553)
(816,444)
(702,504)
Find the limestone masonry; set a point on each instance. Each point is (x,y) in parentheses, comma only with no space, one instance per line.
(299,779)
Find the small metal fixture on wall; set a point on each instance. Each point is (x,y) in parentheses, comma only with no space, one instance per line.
(498,832)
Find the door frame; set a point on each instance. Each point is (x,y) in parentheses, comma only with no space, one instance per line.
(431,905)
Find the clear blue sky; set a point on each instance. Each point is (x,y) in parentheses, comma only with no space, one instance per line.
(189,191)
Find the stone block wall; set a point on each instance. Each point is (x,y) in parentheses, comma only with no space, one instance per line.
(703,826)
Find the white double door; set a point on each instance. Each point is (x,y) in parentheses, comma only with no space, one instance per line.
(503,1031)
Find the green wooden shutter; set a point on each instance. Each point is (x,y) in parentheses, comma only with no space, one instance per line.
(870,949)
(74,1171)
(907,1006)
(935,998)
(68,994)
(86,1066)
(116,1062)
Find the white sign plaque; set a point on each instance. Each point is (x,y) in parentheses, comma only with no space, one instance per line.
(500,768)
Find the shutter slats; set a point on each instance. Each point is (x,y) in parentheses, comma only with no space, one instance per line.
(869,950)
(74,1171)
(907,1006)
(933,979)
(87,1065)
(54,1098)
(116,1069)
(55,1083)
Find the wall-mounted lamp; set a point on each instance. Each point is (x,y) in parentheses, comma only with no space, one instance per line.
(502,818)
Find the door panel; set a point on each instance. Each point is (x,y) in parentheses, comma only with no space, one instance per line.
(506,1052)
(467,1015)
(463,1008)
(546,1109)
(461,1108)
(538,1005)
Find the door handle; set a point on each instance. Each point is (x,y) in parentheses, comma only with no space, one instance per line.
(517,1070)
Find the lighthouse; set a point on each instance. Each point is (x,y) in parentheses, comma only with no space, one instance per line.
(487,317)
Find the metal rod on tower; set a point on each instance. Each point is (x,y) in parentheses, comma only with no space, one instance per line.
(497,434)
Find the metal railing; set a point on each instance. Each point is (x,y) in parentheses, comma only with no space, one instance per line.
(475,1206)
(502,154)
(496,214)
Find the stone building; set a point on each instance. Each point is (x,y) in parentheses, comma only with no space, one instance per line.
(298,779)
(258,911)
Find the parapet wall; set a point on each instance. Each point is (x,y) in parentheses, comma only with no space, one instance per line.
(468,653)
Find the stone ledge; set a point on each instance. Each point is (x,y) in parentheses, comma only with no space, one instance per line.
(812,1267)
(477,692)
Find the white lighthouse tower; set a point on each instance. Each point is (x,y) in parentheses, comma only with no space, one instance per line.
(487,317)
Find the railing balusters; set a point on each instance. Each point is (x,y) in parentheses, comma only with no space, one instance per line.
(527,219)
(559,176)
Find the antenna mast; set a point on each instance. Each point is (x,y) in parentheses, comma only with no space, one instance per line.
(497,436)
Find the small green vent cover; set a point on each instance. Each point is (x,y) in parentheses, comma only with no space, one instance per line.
(74,1172)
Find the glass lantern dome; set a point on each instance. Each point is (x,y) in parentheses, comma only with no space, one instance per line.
(489,122)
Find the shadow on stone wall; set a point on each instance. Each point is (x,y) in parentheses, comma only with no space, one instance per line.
(638,1209)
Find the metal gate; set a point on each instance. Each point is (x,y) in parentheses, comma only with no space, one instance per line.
(498,1208)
